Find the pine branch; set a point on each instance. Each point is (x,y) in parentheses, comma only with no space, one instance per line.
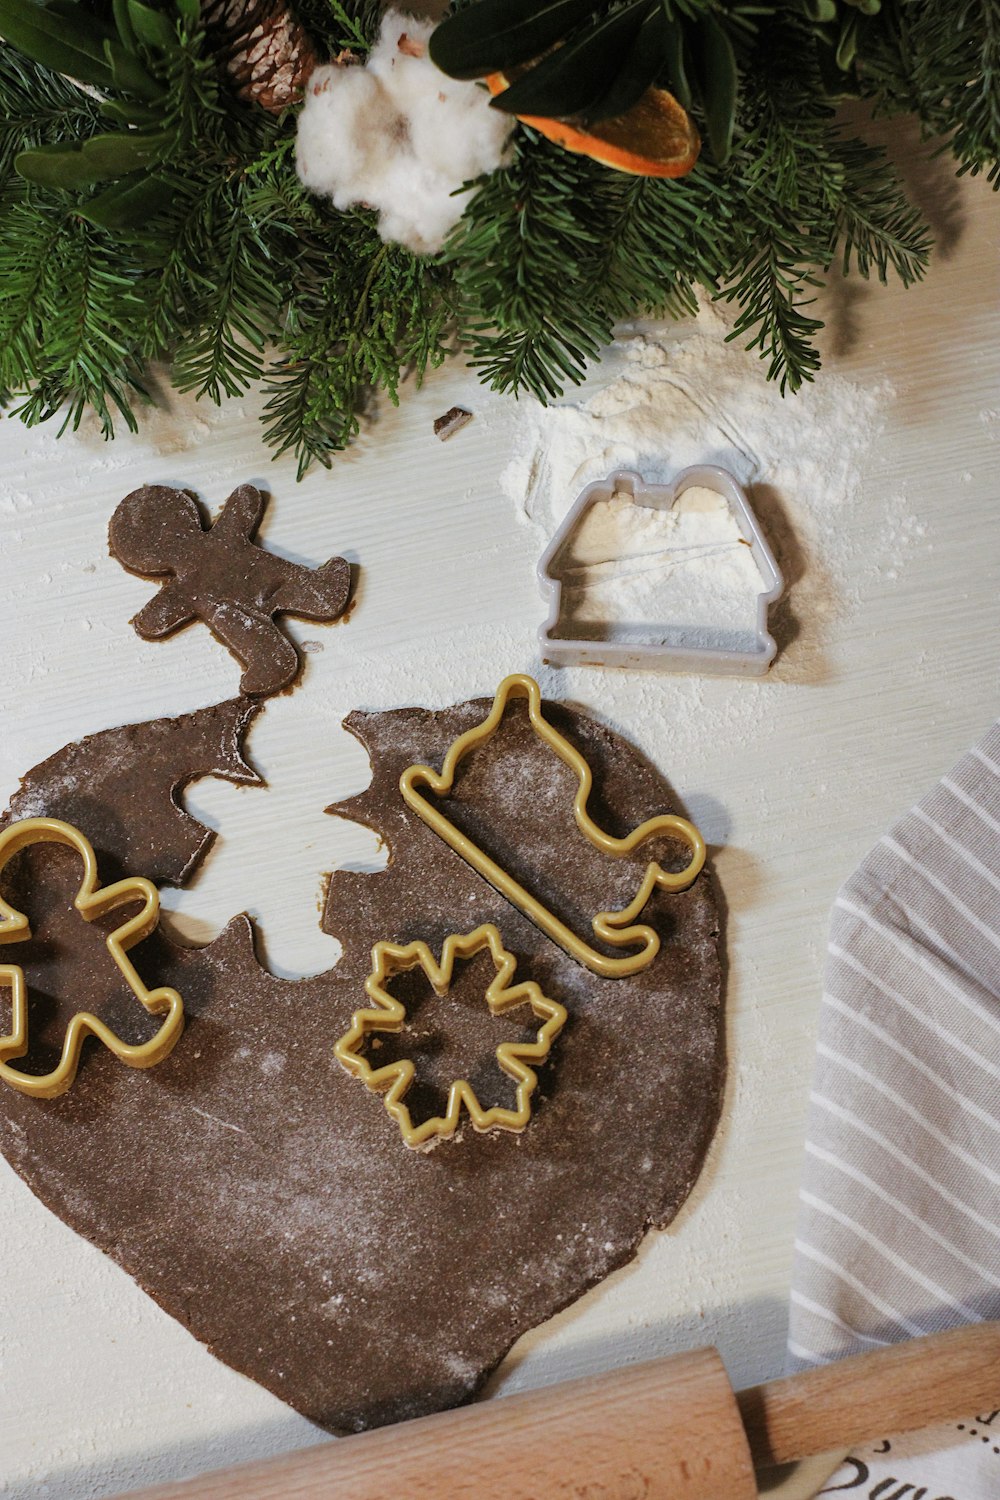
(342,24)
(940,59)
(875,223)
(220,262)
(316,386)
(780,191)
(358,313)
(520,254)
(75,314)
(381,312)
(799,188)
(234,306)
(27,249)
(770,291)
(167,294)
(38,107)
(660,240)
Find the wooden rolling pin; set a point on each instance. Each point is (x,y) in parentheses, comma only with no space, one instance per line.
(672,1429)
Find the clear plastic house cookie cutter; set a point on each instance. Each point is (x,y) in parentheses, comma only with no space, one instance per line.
(659,588)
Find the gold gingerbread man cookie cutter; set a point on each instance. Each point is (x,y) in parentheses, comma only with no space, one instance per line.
(516,1059)
(616,928)
(92,900)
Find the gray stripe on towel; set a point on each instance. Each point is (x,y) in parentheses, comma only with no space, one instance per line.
(899,1230)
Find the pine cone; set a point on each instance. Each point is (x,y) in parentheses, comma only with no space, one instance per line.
(263,48)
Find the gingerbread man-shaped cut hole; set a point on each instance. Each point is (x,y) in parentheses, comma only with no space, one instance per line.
(218,574)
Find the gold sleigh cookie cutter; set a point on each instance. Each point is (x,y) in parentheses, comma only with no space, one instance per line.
(612,927)
(389,1014)
(91,900)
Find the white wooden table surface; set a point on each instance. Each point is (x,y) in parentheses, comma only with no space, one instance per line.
(867,707)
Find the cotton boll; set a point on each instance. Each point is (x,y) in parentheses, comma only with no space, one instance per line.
(485,132)
(330,146)
(399,136)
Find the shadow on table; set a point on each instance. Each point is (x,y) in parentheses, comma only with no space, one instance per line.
(166,1464)
(929,179)
(800,617)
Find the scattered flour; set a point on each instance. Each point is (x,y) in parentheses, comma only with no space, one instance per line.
(822,482)
(671,396)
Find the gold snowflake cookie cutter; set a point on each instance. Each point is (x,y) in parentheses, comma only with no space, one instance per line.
(514,1058)
(616,928)
(91,900)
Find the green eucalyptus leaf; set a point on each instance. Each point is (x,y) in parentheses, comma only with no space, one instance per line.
(848,44)
(56,166)
(123,21)
(497,34)
(72,44)
(128,74)
(577,75)
(152,27)
(718,79)
(642,66)
(674,62)
(189,11)
(95,160)
(821,11)
(129,204)
(127,151)
(131,114)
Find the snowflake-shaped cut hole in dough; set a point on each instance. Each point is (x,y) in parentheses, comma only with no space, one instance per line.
(388,1015)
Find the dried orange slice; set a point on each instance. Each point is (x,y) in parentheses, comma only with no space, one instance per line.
(655,138)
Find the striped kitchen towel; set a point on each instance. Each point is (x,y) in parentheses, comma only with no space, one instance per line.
(899,1230)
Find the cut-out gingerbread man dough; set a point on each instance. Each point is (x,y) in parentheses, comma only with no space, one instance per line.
(221,576)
